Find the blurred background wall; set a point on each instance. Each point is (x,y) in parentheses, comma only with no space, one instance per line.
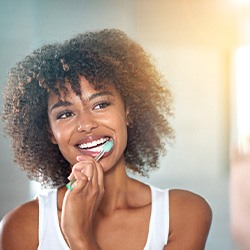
(193,43)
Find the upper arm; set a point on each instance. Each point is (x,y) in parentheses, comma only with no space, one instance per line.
(190,220)
(19,228)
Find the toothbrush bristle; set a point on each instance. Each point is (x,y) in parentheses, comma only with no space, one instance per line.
(107,146)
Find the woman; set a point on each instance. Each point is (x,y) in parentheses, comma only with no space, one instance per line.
(63,102)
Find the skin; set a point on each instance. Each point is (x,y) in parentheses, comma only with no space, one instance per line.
(106,209)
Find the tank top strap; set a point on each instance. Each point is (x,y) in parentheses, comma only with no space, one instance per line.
(159,221)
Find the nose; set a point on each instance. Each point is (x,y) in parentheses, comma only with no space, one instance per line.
(86,123)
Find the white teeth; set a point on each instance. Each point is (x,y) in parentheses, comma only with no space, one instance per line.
(92,144)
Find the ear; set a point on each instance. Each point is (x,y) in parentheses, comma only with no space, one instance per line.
(51,135)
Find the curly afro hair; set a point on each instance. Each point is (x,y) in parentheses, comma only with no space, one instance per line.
(103,57)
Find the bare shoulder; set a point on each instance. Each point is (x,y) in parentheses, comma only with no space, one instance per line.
(190,220)
(183,200)
(19,227)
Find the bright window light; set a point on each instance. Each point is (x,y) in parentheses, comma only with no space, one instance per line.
(240,2)
(242,68)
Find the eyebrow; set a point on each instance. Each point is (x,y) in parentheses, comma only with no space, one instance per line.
(62,103)
(97,94)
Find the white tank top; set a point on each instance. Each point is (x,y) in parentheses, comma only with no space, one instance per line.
(51,238)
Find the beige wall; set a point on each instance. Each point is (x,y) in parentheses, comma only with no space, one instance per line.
(192,43)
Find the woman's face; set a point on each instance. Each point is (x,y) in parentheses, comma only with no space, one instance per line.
(81,124)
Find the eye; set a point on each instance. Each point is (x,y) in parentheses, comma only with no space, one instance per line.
(64,114)
(102,105)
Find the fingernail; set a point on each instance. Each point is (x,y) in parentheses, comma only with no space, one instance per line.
(69,177)
(89,178)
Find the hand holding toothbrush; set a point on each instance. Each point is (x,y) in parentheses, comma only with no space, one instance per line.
(106,147)
(81,203)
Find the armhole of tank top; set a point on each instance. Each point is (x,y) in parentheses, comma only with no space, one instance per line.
(41,221)
(167,215)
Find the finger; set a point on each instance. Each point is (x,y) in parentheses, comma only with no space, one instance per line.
(94,174)
(80,158)
(78,178)
(97,180)
(100,176)
(80,184)
(71,176)
(87,169)
(84,167)
(83,157)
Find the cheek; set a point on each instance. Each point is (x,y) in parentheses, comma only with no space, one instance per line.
(122,129)
(60,130)
(61,135)
(58,135)
(119,122)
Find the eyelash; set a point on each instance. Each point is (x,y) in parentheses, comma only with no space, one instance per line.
(102,105)
(66,113)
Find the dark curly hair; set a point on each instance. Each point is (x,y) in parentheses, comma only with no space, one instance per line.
(102,57)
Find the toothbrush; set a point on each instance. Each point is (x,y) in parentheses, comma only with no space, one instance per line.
(106,147)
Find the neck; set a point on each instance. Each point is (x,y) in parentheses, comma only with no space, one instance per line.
(117,186)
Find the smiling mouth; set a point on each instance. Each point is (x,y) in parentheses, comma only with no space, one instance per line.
(94,145)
